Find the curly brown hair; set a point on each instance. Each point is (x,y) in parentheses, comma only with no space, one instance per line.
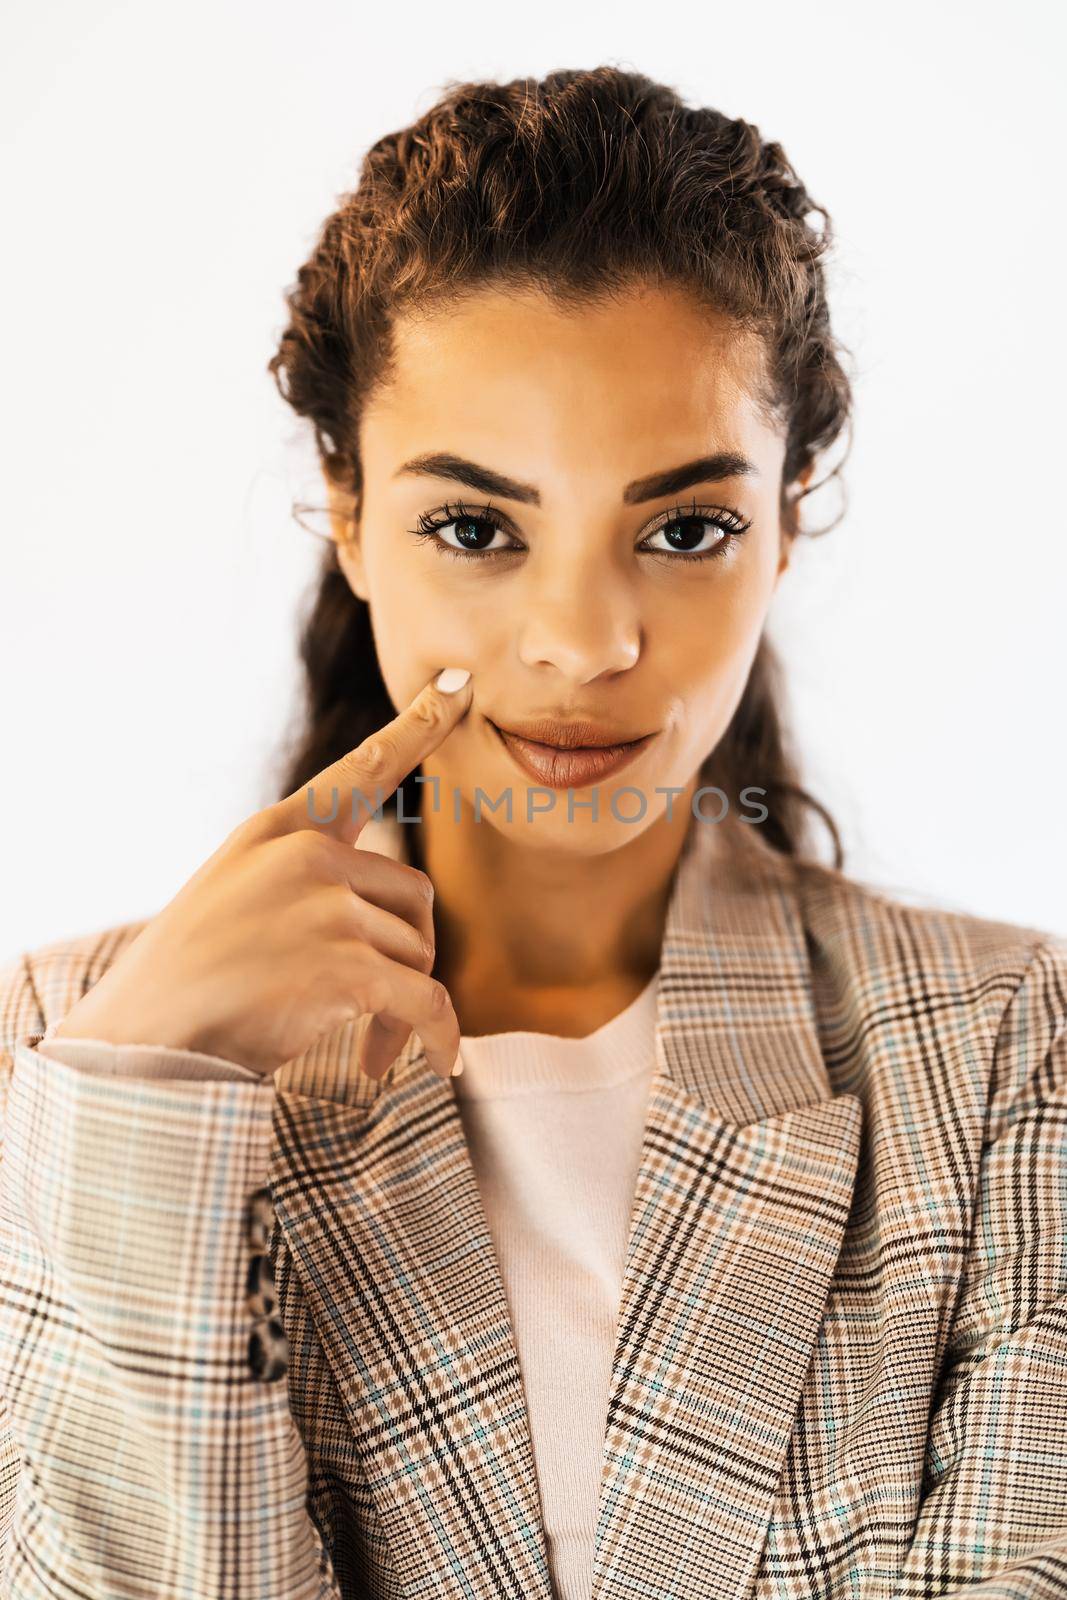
(580,184)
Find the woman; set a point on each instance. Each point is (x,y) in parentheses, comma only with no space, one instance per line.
(736,1262)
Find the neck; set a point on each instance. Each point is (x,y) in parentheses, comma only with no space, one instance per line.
(525,932)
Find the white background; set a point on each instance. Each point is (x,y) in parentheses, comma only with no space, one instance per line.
(166,170)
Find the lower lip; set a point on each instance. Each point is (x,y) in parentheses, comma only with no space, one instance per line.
(570,769)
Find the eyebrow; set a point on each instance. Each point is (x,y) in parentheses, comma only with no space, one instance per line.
(705,469)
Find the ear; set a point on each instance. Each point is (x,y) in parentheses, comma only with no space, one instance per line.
(787,539)
(344,527)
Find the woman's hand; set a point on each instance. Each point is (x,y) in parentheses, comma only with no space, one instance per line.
(287,932)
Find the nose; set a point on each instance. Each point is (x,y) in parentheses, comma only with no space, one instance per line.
(581,622)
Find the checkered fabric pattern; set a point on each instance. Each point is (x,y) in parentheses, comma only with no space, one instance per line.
(841,1357)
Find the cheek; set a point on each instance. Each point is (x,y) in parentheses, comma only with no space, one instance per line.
(717,622)
(706,646)
(418,630)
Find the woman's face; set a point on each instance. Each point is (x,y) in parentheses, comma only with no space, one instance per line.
(560,566)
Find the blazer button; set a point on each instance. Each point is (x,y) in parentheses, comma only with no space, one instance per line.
(259,1287)
(268,1350)
(260,1219)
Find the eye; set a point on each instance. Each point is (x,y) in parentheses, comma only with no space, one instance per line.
(475,531)
(685,528)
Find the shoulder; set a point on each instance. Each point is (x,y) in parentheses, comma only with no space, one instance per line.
(847,911)
(40,986)
(977,994)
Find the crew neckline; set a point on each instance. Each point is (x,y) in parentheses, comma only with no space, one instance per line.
(524,1060)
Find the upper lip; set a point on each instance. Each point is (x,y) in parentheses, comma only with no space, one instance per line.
(569,735)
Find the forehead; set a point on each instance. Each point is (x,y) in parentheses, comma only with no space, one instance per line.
(501,363)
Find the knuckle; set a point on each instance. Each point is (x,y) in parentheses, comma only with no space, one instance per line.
(425,952)
(439,999)
(253,828)
(269,817)
(430,711)
(310,850)
(368,973)
(375,755)
(423,885)
(375,991)
(328,914)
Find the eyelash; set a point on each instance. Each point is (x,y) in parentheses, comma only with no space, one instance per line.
(430,523)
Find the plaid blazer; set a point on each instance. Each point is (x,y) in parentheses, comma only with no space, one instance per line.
(841,1358)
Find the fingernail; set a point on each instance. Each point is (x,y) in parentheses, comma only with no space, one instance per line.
(451,679)
(457,1067)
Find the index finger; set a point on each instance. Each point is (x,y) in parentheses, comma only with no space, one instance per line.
(343,797)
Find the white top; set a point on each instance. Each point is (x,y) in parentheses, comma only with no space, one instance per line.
(554,1127)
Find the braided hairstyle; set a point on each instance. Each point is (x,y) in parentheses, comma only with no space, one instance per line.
(579,183)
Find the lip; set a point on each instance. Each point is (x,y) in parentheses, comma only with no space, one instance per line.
(572,735)
(558,768)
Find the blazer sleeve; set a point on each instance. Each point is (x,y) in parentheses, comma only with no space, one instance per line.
(140,1454)
(992,1520)
(141,1060)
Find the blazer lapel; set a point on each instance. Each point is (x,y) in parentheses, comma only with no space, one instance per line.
(741,1202)
(743,1193)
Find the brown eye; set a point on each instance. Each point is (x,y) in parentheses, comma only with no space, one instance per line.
(474,533)
(685,534)
(697,536)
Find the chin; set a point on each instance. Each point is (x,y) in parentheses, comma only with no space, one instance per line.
(553,832)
